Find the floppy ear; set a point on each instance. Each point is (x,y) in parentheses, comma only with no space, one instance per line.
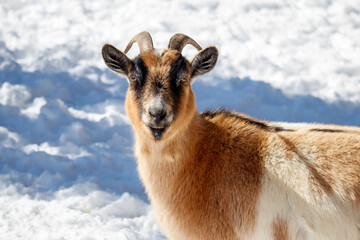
(115,59)
(204,61)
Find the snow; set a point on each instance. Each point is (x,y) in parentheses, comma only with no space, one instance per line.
(67,169)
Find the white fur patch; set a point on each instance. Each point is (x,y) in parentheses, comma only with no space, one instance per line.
(287,193)
(155,102)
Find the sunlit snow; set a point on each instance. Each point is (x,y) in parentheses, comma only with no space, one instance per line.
(67,169)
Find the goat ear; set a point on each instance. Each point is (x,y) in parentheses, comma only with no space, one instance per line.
(115,59)
(204,61)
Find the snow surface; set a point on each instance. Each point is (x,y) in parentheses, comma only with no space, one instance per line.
(67,169)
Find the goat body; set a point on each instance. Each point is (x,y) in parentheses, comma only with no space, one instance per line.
(224,175)
(228,178)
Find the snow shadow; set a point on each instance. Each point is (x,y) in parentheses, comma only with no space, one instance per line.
(58,130)
(79,133)
(260,100)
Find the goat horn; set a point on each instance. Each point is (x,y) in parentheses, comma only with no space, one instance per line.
(144,41)
(179,41)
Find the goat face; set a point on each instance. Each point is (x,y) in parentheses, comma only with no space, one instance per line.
(160,101)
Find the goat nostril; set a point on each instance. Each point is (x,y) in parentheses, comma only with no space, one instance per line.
(162,116)
(158,115)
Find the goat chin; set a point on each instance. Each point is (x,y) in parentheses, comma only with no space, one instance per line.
(225,175)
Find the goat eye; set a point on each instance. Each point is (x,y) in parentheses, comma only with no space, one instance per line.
(185,79)
(132,78)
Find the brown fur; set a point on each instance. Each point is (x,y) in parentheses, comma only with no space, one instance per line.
(337,165)
(202,211)
(280,229)
(205,176)
(206,180)
(195,188)
(158,70)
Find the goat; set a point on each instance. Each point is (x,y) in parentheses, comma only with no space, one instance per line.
(224,175)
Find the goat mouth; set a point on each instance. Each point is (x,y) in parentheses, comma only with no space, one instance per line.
(157,132)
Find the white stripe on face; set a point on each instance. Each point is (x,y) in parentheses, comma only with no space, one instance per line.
(156,102)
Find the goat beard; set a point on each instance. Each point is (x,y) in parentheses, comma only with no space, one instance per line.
(157,133)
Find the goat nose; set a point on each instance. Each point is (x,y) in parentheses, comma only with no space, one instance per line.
(158,114)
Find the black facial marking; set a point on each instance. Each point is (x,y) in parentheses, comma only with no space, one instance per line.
(260,124)
(140,71)
(177,70)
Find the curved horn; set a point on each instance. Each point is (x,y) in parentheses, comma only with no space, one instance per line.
(179,41)
(144,41)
